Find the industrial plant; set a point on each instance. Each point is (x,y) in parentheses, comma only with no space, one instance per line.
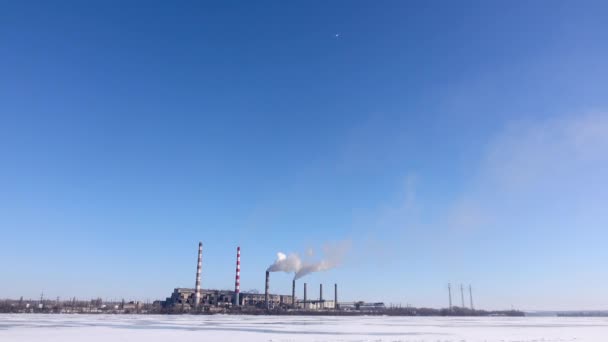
(198,299)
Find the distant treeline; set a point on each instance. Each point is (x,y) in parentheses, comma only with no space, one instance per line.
(409,311)
(583,314)
(98,307)
(76,306)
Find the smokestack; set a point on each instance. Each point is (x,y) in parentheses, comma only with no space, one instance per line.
(336,296)
(320,292)
(199,267)
(237,279)
(304,295)
(450,294)
(293,293)
(471,297)
(267,289)
(462,295)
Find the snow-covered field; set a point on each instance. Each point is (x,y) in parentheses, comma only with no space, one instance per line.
(73,328)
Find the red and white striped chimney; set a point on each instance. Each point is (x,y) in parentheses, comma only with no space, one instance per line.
(199,267)
(237,279)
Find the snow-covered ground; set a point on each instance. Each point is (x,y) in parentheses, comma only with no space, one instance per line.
(76,328)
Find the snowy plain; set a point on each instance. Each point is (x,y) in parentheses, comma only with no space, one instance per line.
(151,328)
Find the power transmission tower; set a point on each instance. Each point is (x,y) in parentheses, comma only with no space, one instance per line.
(450,295)
(471,297)
(462,295)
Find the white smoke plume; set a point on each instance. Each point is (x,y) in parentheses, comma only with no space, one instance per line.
(284,263)
(314,267)
(333,257)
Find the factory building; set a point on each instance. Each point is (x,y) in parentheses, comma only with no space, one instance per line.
(316,305)
(185,298)
(362,306)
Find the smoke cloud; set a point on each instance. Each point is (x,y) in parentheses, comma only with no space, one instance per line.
(284,263)
(315,267)
(333,257)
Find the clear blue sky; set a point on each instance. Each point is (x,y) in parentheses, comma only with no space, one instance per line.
(437,141)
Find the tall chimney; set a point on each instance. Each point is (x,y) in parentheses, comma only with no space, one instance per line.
(320,292)
(336,296)
(293,293)
(199,267)
(304,295)
(267,289)
(237,279)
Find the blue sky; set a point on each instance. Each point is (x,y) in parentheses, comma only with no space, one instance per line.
(433,142)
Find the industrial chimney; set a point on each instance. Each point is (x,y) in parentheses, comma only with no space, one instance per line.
(267,289)
(320,292)
(293,293)
(304,295)
(199,266)
(237,279)
(336,296)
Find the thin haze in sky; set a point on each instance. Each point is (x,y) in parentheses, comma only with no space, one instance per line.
(415,143)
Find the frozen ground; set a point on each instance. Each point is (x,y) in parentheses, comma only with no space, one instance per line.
(76,328)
